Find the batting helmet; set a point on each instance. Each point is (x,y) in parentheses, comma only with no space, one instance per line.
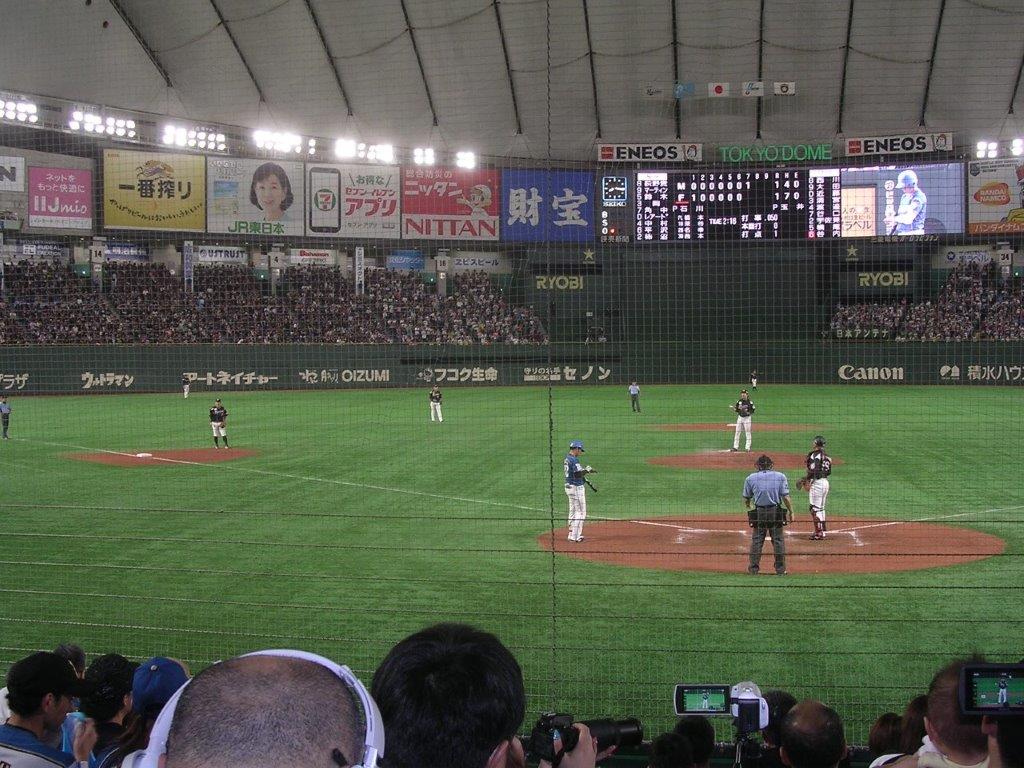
(819,441)
(907,179)
(764,462)
(576,444)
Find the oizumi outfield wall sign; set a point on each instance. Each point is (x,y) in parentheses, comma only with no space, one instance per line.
(773,153)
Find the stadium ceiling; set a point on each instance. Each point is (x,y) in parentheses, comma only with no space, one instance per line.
(475,74)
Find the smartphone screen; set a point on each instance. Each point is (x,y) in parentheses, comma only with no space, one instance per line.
(325,205)
(702,699)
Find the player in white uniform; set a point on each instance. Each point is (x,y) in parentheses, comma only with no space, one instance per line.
(435,404)
(634,397)
(753,380)
(819,467)
(185,385)
(574,481)
(744,410)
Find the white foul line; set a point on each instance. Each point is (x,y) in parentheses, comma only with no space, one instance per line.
(271,473)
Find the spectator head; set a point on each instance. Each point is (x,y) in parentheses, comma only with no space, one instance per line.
(812,736)
(153,684)
(451,696)
(1005,741)
(701,735)
(74,654)
(884,737)
(671,750)
(955,734)
(779,704)
(110,694)
(912,732)
(42,686)
(266,710)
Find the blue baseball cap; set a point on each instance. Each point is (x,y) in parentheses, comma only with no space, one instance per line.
(576,444)
(154,683)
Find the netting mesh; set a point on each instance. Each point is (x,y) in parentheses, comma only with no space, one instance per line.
(322,297)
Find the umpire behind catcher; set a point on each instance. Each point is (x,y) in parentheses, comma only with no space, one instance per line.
(768,491)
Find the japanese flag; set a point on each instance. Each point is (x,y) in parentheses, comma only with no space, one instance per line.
(785,89)
(716,90)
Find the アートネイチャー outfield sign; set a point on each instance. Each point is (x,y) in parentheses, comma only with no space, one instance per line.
(775,153)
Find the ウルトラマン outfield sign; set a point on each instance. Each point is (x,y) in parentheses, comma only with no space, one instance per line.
(775,153)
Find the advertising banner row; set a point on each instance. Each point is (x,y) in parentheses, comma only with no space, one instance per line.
(224,368)
(282,198)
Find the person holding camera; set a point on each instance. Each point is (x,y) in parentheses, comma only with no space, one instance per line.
(767,490)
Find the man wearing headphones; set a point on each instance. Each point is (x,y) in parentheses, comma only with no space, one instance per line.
(265,710)
(767,491)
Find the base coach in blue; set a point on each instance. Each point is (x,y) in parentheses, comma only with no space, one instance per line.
(764,494)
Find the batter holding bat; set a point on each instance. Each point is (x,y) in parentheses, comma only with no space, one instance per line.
(575,478)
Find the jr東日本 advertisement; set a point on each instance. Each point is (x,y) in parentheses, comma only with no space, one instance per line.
(548,206)
(153,190)
(60,198)
(901,200)
(450,204)
(255,197)
(354,200)
(996,196)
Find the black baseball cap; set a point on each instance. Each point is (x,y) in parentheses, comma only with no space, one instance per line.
(43,673)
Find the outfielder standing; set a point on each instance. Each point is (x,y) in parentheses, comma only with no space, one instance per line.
(185,385)
(5,415)
(435,404)
(744,409)
(634,397)
(574,480)
(753,379)
(819,467)
(218,421)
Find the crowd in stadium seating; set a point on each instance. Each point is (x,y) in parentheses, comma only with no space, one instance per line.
(145,304)
(448,695)
(972,305)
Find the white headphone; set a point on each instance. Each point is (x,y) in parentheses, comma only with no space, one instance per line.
(373,743)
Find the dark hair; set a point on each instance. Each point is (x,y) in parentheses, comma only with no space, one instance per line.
(257,711)
(448,696)
(955,729)
(74,654)
(111,680)
(1010,738)
(779,704)
(812,736)
(264,172)
(701,734)
(671,750)
(912,732)
(884,737)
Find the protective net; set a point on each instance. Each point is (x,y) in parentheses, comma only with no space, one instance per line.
(554,283)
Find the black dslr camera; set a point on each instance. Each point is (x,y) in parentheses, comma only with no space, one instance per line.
(540,744)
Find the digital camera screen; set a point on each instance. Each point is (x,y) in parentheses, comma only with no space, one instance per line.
(702,699)
(993,689)
(900,200)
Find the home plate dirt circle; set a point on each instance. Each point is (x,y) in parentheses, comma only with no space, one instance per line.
(726,459)
(720,544)
(731,427)
(170,458)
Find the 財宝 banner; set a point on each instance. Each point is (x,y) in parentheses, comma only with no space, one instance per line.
(547,206)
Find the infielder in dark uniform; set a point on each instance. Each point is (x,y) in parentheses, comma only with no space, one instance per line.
(218,422)
(767,490)
(5,415)
(435,404)
(819,467)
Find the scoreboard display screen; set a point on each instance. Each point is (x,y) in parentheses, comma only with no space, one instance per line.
(763,204)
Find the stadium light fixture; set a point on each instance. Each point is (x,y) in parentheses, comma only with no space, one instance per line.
(108,125)
(423,155)
(465,159)
(196,137)
(384,153)
(987,149)
(18,109)
(1017,147)
(345,149)
(279,142)
(311,147)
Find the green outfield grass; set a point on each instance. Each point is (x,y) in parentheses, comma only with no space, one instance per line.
(360,521)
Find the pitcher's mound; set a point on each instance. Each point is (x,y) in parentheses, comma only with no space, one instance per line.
(721,543)
(170,458)
(726,459)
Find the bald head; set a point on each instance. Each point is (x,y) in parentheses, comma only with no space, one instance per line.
(265,712)
(812,736)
